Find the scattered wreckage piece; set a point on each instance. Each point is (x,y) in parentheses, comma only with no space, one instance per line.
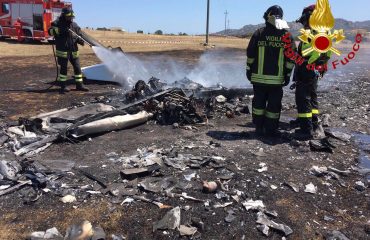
(16,187)
(310,188)
(133,173)
(322,145)
(75,114)
(170,221)
(36,147)
(254,205)
(92,177)
(183,195)
(157,185)
(264,220)
(338,134)
(187,231)
(144,199)
(293,186)
(9,169)
(111,124)
(51,233)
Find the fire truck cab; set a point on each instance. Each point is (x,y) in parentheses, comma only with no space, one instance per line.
(28,20)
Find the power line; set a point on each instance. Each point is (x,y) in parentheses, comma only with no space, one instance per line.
(207,24)
(226,13)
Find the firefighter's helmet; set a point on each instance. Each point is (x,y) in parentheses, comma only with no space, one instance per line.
(67,12)
(275,11)
(306,14)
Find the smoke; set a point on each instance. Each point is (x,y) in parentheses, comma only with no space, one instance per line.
(214,67)
(220,67)
(126,70)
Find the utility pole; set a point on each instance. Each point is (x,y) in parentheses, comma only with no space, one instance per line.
(228,26)
(226,13)
(207,30)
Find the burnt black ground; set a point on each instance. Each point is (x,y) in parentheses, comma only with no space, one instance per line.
(286,161)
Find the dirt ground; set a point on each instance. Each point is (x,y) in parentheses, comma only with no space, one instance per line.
(23,83)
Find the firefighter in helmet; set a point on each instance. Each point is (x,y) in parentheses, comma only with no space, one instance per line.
(67,48)
(268,69)
(306,81)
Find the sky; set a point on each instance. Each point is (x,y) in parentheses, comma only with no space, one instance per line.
(189,16)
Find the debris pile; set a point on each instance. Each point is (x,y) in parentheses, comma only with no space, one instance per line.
(143,103)
(204,178)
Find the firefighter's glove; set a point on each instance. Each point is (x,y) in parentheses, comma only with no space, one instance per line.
(53,31)
(286,80)
(81,42)
(249,75)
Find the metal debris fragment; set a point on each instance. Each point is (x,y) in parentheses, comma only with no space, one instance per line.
(310,188)
(68,199)
(264,220)
(170,221)
(187,231)
(254,205)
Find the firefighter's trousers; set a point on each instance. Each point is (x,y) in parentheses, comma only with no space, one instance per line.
(307,104)
(63,58)
(267,107)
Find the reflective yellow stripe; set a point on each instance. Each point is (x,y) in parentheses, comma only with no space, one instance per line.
(62,78)
(258,112)
(272,115)
(267,79)
(62,54)
(289,65)
(79,78)
(305,115)
(250,60)
(315,111)
(76,54)
(261,60)
(281,62)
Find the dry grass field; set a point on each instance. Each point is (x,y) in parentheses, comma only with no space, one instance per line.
(129,42)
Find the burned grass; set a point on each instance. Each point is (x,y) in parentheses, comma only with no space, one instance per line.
(338,205)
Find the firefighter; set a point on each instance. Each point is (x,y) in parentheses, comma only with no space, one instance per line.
(268,69)
(306,80)
(67,48)
(19,29)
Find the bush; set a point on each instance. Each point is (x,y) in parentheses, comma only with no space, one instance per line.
(140,31)
(158,32)
(103,29)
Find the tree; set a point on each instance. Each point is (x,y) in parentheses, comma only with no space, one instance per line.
(158,32)
(140,31)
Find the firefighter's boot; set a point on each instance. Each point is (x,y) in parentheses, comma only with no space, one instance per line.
(303,135)
(81,87)
(63,88)
(260,130)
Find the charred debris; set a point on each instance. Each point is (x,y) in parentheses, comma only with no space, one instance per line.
(153,175)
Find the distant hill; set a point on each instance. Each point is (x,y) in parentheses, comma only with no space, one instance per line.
(349,28)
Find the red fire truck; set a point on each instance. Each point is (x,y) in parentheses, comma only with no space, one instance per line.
(28,20)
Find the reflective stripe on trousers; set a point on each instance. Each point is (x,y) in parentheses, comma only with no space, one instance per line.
(79,78)
(272,115)
(62,78)
(258,112)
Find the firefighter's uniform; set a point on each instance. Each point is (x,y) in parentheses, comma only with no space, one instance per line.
(306,91)
(306,79)
(67,49)
(269,70)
